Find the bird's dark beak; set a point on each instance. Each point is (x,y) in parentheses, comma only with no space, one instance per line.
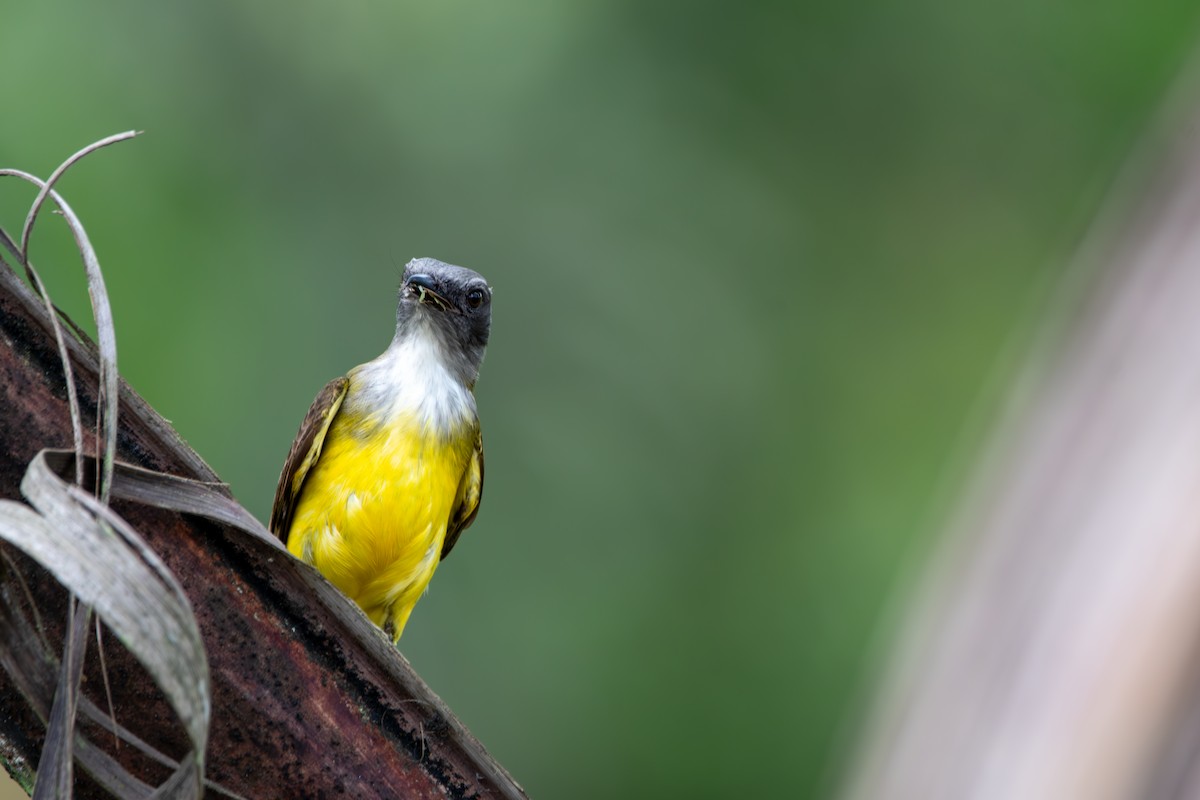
(421,286)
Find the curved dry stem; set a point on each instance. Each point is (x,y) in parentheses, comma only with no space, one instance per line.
(48,186)
(106,413)
(36,281)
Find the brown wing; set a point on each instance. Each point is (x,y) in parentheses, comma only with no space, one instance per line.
(304,453)
(469,493)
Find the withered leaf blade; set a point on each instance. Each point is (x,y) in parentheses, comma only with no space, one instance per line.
(101,560)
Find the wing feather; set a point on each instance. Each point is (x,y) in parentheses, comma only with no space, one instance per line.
(469,493)
(304,453)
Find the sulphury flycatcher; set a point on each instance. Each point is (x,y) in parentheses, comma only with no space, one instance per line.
(387,469)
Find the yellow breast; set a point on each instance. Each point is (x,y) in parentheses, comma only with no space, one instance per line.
(373,512)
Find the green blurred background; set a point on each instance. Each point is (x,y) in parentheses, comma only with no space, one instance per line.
(756,270)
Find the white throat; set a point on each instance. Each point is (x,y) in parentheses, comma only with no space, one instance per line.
(411,378)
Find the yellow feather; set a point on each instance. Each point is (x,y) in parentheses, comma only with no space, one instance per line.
(373,513)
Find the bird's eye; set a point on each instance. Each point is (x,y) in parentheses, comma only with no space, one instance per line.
(475,297)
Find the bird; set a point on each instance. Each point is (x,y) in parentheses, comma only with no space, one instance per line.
(386,471)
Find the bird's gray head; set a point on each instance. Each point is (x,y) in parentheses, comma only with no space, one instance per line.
(454,304)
